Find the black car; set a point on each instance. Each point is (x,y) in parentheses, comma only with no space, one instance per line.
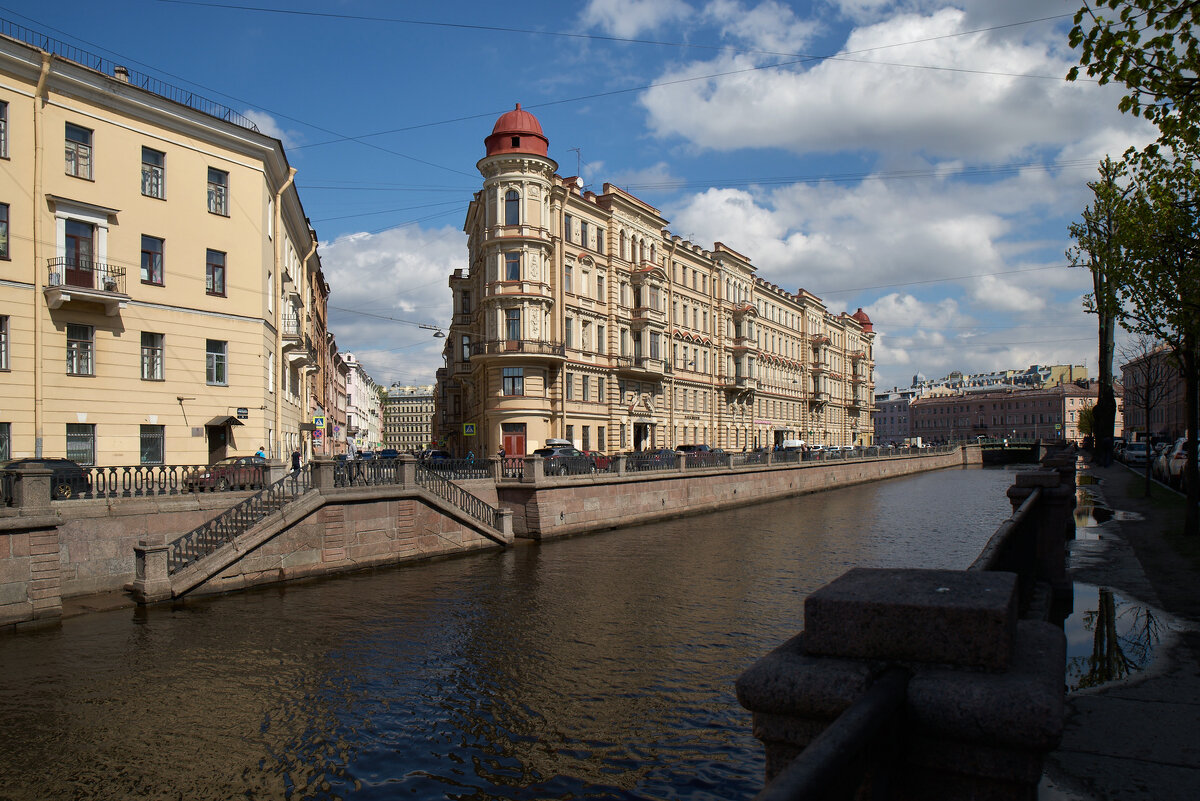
(564,460)
(68,479)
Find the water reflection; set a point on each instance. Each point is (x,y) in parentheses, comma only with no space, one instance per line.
(595,667)
(1109,637)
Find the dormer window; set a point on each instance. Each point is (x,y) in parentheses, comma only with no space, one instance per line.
(516,141)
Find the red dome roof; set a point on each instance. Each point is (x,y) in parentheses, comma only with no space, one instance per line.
(517,131)
(863,319)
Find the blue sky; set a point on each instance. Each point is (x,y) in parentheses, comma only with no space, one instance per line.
(921,158)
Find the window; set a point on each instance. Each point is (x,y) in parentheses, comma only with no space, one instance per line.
(512,207)
(466,302)
(600,288)
(599,240)
(514,380)
(214,272)
(569,332)
(512,324)
(4,138)
(152,260)
(215,351)
(218,192)
(4,231)
(569,384)
(600,343)
(512,266)
(583,233)
(587,386)
(600,437)
(152,442)
(152,356)
(81,443)
(567,282)
(587,440)
(466,348)
(153,175)
(80,350)
(568,227)
(600,395)
(571,434)
(5,441)
(79,151)
(4,342)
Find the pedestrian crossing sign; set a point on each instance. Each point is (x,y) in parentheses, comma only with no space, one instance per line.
(468,429)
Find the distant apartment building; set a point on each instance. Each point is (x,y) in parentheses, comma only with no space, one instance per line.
(582,317)
(1010,413)
(162,292)
(1167,417)
(408,418)
(364,408)
(890,416)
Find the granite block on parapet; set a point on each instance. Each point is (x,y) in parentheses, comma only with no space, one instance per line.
(950,617)
(787,681)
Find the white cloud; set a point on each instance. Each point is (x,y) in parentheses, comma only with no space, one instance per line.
(378,280)
(269,126)
(769,26)
(930,97)
(631,18)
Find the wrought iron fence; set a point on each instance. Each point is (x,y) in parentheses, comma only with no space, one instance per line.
(512,467)
(749,457)
(706,459)
(458,469)
(8,481)
(134,481)
(657,460)
(458,497)
(232,523)
(367,472)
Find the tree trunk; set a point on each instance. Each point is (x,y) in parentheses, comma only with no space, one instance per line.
(1104,416)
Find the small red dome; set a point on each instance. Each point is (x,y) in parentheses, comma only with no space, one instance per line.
(863,319)
(517,131)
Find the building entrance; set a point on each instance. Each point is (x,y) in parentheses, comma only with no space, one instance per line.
(512,438)
(642,438)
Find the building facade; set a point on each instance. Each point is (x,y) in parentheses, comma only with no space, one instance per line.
(364,408)
(1155,381)
(157,277)
(408,418)
(1012,413)
(582,317)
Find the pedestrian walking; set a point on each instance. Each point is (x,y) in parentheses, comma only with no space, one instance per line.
(295,462)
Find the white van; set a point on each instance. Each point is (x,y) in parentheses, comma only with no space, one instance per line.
(794,444)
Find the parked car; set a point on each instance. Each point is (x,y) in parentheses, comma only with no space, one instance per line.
(234,472)
(692,449)
(600,461)
(1136,453)
(389,453)
(68,479)
(435,456)
(1174,462)
(564,460)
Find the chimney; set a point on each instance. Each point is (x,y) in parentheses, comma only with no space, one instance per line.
(121,73)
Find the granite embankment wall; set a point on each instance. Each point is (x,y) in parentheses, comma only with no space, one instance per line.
(67,549)
(548,507)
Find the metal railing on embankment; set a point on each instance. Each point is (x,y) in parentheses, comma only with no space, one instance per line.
(232,523)
(458,497)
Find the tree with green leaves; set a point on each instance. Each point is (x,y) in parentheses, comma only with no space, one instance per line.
(1098,248)
(1151,47)
(1159,283)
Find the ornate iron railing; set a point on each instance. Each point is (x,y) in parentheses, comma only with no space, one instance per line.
(524,346)
(232,523)
(705,459)
(458,469)
(638,462)
(458,497)
(512,467)
(367,472)
(135,481)
(85,274)
(751,457)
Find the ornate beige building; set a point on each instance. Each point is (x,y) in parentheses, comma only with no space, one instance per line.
(161,298)
(582,317)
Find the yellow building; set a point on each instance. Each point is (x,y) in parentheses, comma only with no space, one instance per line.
(157,295)
(582,317)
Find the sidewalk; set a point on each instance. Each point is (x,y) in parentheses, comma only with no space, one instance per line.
(1138,738)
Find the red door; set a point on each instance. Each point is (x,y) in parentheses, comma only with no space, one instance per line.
(513,438)
(79,253)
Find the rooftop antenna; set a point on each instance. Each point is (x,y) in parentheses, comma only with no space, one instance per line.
(578,160)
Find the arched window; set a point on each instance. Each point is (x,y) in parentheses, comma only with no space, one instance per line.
(512,207)
(624,246)
(652,253)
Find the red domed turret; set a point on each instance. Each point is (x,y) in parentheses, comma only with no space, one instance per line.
(863,320)
(517,131)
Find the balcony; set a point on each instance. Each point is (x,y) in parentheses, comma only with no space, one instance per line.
(462,368)
(818,339)
(819,398)
(71,279)
(740,382)
(817,368)
(644,315)
(745,343)
(463,318)
(537,289)
(856,378)
(857,355)
(642,367)
(507,233)
(524,349)
(856,402)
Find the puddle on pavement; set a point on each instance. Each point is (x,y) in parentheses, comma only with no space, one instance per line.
(1109,638)
(1085,478)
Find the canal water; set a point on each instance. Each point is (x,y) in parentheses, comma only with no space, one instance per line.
(593,667)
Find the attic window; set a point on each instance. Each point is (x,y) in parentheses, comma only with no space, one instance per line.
(516,141)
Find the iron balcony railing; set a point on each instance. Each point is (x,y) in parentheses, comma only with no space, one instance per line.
(526,346)
(86,274)
(232,523)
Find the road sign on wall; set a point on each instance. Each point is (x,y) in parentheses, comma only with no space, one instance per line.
(319,420)
(468,429)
